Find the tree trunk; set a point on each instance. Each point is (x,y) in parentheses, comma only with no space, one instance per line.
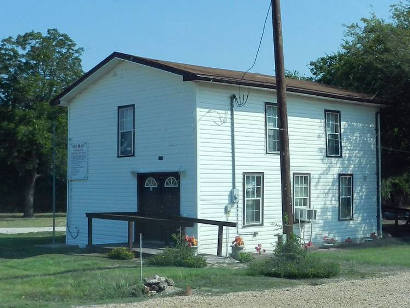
(29,194)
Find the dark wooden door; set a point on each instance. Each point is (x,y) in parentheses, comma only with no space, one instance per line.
(158,196)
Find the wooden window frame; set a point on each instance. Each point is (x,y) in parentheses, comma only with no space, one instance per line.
(310,190)
(267,129)
(340,133)
(262,175)
(118,130)
(340,197)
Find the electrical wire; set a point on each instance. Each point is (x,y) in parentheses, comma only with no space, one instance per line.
(244,100)
(260,43)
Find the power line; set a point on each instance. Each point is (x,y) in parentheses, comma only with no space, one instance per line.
(241,100)
(260,43)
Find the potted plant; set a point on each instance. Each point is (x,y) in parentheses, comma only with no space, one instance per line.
(329,241)
(237,246)
(192,242)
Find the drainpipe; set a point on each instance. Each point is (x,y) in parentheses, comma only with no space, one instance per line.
(234,191)
(378,173)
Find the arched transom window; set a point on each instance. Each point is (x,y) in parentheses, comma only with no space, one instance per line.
(171,182)
(151,183)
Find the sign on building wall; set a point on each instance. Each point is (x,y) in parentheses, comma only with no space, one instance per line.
(78,161)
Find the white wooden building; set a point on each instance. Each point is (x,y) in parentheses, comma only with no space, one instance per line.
(162,138)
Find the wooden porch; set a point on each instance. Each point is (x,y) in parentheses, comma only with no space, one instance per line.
(133,218)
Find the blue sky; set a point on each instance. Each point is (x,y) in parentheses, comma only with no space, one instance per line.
(216,33)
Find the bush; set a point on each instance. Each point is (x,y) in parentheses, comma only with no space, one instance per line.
(306,267)
(121,253)
(245,257)
(290,260)
(181,255)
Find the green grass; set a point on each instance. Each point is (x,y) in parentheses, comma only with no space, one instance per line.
(392,255)
(33,276)
(16,220)
(39,276)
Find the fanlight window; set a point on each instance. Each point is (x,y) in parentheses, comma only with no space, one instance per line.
(171,182)
(150,183)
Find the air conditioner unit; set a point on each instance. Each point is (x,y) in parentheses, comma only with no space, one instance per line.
(302,214)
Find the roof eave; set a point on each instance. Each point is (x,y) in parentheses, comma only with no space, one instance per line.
(288,88)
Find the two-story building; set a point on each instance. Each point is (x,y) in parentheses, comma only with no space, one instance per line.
(166,138)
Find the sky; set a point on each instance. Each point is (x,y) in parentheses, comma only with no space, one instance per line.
(215,33)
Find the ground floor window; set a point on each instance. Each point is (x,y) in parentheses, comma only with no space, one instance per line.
(253,198)
(301,190)
(345,196)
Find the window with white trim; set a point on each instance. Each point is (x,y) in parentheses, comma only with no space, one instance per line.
(253,198)
(150,183)
(171,182)
(126,128)
(301,190)
(345,196)
(272,128)
(333,135)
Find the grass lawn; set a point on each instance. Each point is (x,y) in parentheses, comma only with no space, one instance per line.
(33,276)
(390,253)
(16,220)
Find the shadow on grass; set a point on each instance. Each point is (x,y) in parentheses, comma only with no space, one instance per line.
(20,246)
(12,216)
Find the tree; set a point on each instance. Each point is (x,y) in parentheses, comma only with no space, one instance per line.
(33,69)
(375,58)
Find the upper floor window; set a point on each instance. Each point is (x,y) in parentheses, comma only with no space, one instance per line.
(272,128)
(345,196)
(253,198)
(301,190)
(126,129)
(333,135)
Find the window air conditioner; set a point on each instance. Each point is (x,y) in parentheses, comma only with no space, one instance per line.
(302,214)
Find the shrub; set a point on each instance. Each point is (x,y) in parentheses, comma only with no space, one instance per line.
(121,253)
(181,255)
(178,257)
(290,260)
(245,257)
(306,267)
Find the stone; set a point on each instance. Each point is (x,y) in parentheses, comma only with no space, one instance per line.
(152,280)
(151,293)
(146,289)
(154,287)
(170,282)
(188,291)
(162,286)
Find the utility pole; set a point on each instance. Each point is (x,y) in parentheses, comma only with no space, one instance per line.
(287,212)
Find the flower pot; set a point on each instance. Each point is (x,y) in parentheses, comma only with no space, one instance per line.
(194,250)
(236,250)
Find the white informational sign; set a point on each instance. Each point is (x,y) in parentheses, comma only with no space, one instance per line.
(78,161)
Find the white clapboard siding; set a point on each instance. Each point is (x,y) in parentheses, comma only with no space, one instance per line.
(164,125)
(308,155)
(189,124)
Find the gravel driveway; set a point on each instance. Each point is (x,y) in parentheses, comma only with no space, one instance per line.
(390,291)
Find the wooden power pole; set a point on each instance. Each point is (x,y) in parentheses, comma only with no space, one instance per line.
(287,212)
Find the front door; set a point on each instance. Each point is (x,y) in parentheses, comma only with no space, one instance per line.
(158,196)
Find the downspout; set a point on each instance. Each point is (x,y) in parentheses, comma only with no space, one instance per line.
(234,191)
(378,173)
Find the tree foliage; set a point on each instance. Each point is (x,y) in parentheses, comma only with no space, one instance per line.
(33,69)
(374,58)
